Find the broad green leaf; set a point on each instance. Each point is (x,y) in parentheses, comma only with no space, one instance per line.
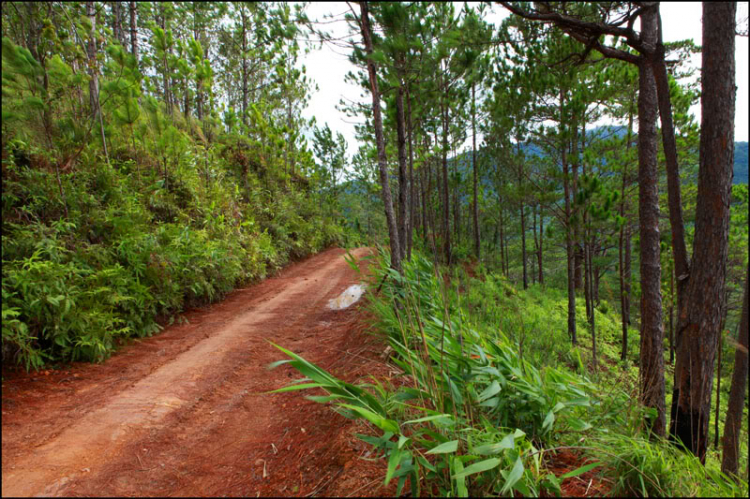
(508,442)
(578,425)
(491,390)
(479,467)
(402,441)
(547,424)
(515,474)
(458,465)
(393,461)
(444,448)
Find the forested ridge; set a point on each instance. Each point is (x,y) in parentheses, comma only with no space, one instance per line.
(561,284)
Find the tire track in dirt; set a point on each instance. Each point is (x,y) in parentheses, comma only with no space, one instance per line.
(190,420)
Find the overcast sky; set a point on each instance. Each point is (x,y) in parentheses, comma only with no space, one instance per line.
(328,66)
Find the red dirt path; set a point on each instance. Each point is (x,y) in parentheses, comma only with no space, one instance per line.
(184,413)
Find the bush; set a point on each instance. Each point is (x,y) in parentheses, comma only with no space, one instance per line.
(130,251)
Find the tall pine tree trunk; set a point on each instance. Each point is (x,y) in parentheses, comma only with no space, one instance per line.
(244,65)
(380,142)
(477,246)
(652,344)
(134,31)
(446,206)
(91,49)
(673,173)
(578,255)
(403,184)
(412,188)
(700,320)
(569,248)
(623,252)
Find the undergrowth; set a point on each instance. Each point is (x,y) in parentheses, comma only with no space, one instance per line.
(130,252)
(478,415)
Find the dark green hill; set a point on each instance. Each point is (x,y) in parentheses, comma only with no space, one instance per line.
(740,163)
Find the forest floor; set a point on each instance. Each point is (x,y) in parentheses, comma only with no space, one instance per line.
(186,413)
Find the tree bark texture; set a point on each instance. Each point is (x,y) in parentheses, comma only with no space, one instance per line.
(676,222)
(403,184)
(133,30)
(652,343)
(700,321)
(412,188)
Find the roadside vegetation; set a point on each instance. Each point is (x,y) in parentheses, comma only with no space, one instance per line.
(128,194)
(488,394)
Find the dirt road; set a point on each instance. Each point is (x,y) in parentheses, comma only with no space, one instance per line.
(184,413)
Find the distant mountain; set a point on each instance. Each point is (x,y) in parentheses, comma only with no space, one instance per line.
(740,163)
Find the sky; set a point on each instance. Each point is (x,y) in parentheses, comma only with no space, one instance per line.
(328,65)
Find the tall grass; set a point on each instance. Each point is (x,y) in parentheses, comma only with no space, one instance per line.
(475,416)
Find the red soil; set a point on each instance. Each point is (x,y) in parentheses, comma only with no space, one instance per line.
(185,413)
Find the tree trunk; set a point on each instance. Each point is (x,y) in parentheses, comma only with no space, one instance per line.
(94,81)
(403,184)
(625,254)
(412,189)
(569,249)
(671,316)
(244,65)
(133,31)
(589,263)
(456,203)
(578,258)
(696,334)
(652,344)
(733,423)
(378,125)
(477,246)
(446,207)
(91,48)
(117,23)
(677,225)
(165,62)
(598,273)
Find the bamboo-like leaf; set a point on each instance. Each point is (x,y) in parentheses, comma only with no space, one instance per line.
(478,467)
(444,448)
(376,419)
(508,442)
(579,471)
(393,462)
(488,392)
(515,474)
